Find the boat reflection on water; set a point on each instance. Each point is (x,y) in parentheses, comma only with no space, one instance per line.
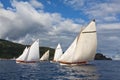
(83,72)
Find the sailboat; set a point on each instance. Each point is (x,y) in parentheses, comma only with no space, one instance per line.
(45,56)
(83,48)
(58,53)
(30,54)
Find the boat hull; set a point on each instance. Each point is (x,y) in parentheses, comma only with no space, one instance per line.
(43,60)
(19,61)
(72,63)
(54,61)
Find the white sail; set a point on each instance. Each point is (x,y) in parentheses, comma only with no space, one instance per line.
(30,54)
(58,53)
(23,56)
(33,51)
(67,56)
(87,44)
(45,56)
(84,46)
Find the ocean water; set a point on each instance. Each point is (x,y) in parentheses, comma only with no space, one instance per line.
(95,70)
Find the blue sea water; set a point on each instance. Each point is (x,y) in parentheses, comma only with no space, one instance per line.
(95,70)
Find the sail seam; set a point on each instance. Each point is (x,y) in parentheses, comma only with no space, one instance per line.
(90,32)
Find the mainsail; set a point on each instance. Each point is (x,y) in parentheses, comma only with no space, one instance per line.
(83,48)
(45,56)
(34,51)
(58,52)
(30,54)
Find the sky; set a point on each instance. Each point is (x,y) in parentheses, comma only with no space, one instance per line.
(59,21)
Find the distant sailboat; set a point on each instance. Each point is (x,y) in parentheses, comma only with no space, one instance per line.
(30,54)
(45,56)
(83,48)
(58,53)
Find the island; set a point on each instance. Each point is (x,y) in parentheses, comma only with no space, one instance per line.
(9,50)
(100,56)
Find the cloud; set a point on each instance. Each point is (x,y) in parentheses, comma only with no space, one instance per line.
(103,11)
(36,4)
(75,3)
(49,2)
(109,26)
(1,5)
(23,24)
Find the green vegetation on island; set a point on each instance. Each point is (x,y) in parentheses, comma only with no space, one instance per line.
(10,50)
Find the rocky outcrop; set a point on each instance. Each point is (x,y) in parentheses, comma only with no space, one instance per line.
(100,56)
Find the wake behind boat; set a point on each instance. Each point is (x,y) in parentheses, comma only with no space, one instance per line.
(30,54)
(83,48)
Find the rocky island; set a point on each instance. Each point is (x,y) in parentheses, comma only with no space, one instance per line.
(100,56)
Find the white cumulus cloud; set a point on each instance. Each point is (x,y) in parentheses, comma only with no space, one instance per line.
(36,4)
(23,24)
(103,11)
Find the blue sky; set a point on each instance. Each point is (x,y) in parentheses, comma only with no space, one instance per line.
(59,21)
